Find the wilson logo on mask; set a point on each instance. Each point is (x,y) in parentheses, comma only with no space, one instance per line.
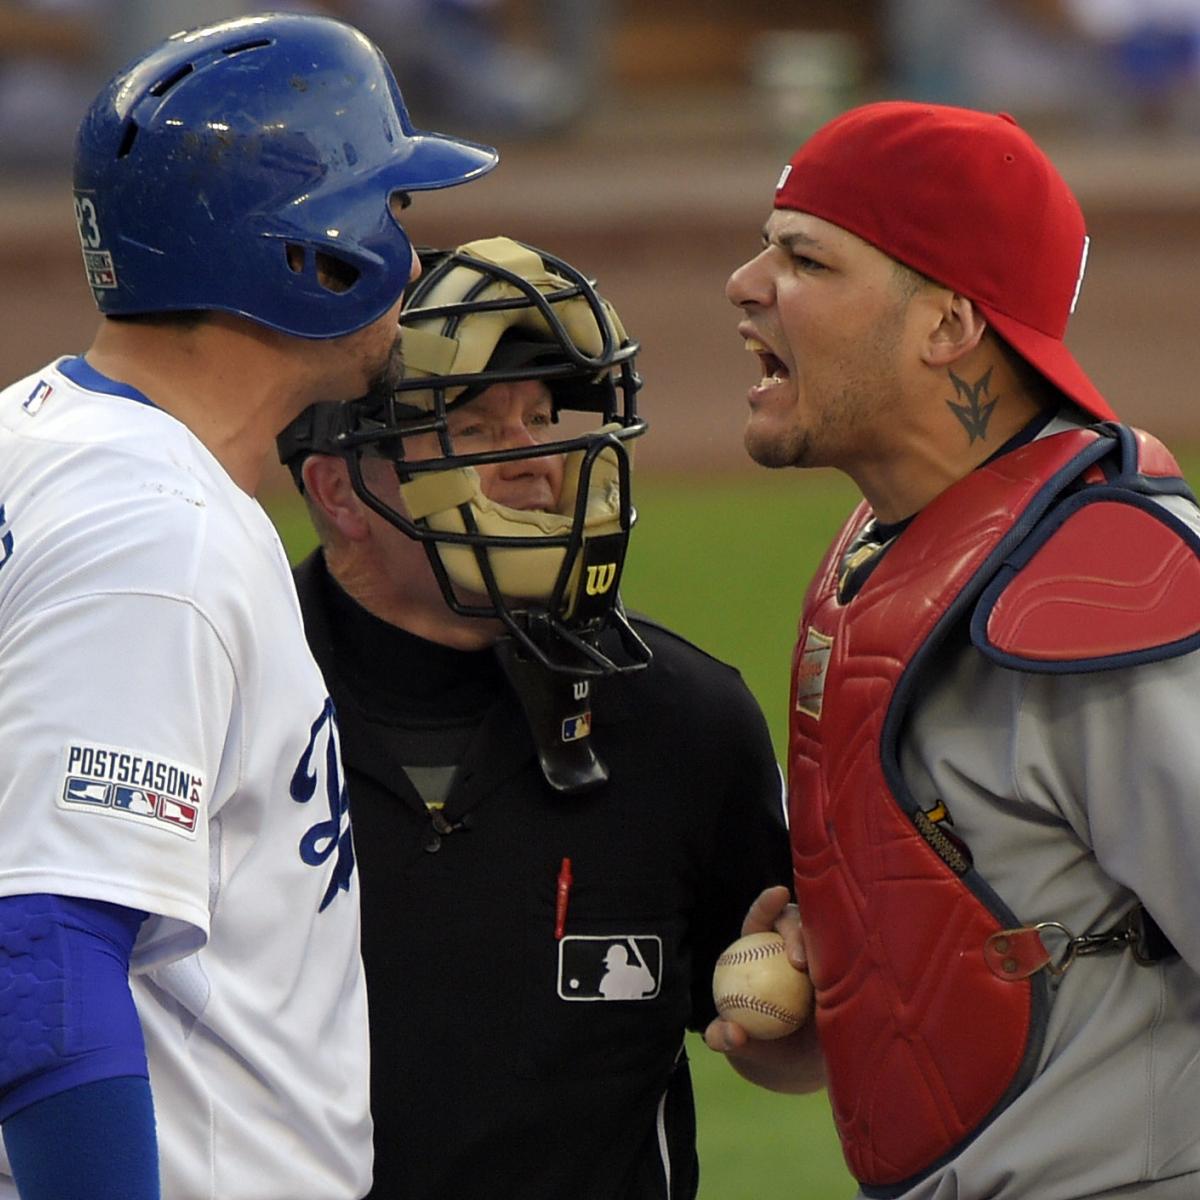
(600,578)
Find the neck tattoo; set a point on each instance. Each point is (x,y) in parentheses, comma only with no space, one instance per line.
(975,411)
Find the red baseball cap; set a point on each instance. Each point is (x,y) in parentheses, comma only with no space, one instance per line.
(968,199)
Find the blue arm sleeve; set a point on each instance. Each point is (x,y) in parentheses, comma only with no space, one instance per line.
(68,1025)
(93,1142)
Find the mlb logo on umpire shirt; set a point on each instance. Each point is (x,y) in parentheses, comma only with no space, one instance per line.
(619,966)
(132,785)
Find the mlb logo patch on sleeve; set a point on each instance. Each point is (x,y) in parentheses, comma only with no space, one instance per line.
(134,785)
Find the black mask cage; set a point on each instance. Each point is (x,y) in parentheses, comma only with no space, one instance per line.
(491,312)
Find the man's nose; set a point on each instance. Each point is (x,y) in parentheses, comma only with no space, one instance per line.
(520,438)
(750,283)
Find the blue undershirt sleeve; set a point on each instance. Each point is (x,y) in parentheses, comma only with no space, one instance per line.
(92,1142)
(73,1072)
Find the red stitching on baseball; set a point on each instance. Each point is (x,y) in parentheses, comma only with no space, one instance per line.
(738,957)
(754,1004)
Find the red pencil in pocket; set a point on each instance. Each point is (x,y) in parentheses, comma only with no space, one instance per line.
(562,898)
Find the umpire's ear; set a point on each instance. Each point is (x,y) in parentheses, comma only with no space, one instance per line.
(332,500)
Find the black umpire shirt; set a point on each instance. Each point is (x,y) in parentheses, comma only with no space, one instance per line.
(508,1061)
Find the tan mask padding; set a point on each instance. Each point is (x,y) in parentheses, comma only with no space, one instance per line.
(428,352)
(527,573)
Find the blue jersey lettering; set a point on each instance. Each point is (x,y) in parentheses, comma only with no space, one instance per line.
(6,539)
(334,834)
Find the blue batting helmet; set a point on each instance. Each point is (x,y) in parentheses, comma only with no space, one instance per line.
(211,173)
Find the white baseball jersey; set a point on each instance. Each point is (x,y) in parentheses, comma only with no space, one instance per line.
(168,746)
(1077,794)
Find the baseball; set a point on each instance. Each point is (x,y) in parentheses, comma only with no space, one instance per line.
(756,986)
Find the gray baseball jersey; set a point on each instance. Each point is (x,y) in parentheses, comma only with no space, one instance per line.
(1078,794)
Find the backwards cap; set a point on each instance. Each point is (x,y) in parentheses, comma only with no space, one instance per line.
(968,199)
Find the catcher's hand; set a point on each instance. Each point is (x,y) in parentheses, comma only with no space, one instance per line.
(787,1064)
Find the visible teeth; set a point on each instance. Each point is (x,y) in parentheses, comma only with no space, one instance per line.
(769,360)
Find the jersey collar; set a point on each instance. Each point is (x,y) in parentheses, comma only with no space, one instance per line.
(81,373)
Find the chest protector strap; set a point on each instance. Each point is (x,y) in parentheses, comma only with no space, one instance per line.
(924,1044)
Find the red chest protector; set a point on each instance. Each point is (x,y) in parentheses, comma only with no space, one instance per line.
(1056,559)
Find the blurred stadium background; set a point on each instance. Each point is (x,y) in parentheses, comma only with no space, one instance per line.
(641,139)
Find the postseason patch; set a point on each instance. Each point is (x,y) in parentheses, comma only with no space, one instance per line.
(133,785)
(101,272)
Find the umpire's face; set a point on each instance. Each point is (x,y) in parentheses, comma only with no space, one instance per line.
(517,415)
(831,325)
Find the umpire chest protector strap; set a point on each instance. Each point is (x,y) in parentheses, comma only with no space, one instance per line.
(1058,559)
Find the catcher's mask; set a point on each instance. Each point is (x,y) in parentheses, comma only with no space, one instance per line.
(496,311)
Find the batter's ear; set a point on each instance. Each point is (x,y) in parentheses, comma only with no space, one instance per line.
(335,504)
(955,329)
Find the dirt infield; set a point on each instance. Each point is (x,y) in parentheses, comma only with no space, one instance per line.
(660,205)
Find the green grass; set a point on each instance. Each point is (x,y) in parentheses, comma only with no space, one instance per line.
(757,1145)
(725,561)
